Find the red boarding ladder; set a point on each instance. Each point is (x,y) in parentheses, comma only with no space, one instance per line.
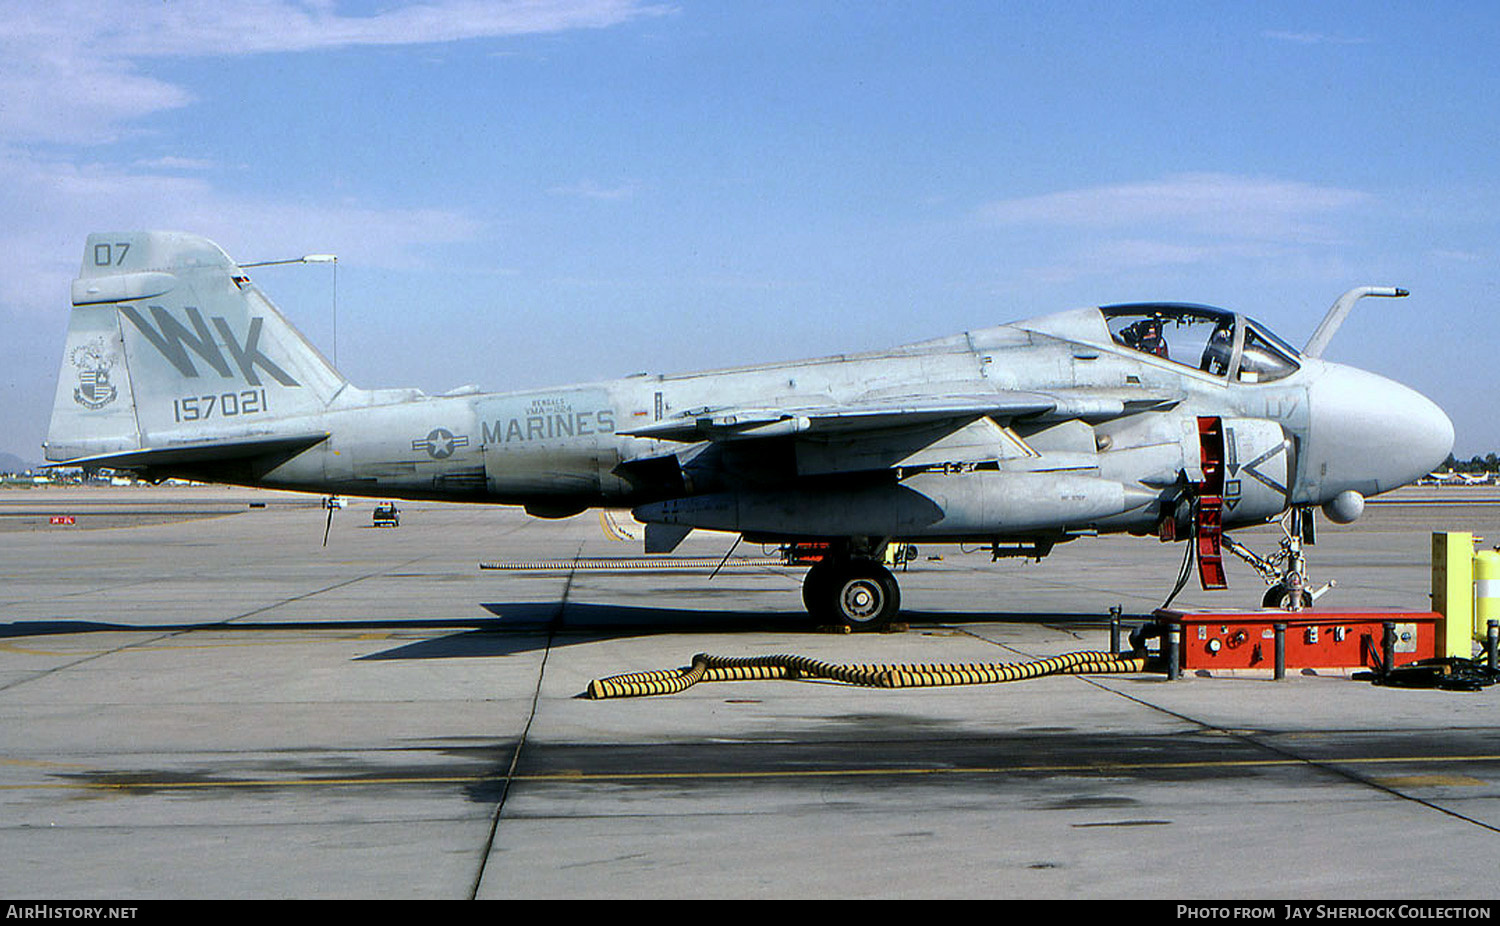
(1208,531)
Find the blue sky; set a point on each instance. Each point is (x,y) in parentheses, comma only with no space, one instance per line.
(527,194)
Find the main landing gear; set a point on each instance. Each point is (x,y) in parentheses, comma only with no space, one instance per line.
(856,591)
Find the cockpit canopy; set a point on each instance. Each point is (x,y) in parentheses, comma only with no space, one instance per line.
(1209,340)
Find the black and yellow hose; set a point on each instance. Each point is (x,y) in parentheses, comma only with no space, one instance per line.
(708,668)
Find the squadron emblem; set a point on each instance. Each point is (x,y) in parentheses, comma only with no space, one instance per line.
(93,361)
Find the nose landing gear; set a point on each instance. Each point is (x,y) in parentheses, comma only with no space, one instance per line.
(1285,571)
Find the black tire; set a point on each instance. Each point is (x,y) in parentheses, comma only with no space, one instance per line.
(861,594)
(1277,596)
(817,595)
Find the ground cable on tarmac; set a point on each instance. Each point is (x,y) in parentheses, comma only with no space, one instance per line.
(709,668)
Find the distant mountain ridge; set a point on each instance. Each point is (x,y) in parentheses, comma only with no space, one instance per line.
(10,463)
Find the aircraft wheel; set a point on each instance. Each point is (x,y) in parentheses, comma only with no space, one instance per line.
(1278,596)
(864,595)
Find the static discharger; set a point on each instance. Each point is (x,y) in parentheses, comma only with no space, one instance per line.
(708,668)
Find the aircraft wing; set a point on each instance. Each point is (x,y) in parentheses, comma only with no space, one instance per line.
(833,419)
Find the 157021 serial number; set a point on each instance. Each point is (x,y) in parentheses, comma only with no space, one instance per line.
(224,405)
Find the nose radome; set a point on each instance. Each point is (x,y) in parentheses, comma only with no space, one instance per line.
(1371,434)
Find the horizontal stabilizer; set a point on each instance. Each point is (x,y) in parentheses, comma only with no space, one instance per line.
(188,454)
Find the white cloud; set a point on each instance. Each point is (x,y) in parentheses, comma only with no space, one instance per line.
(1114,258)
(256,26)
(1312,38)
(152,28)
(1189,220)
(54,202)
(72,70)
(74,80)
(76,99)
(1215,205)
(173,163)
(1451,255)
(588,189)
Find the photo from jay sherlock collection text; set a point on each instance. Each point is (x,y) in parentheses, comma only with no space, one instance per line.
(1402,912)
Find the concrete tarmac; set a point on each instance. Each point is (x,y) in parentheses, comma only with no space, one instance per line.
(198,699)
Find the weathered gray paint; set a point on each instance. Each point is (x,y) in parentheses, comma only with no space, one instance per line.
(175,364)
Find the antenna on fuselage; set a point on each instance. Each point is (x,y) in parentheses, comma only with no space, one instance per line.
(1340,310)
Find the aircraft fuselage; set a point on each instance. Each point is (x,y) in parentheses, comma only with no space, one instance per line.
(560,450)
(1164,418)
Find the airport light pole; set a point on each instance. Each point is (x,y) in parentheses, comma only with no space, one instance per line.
(315,259)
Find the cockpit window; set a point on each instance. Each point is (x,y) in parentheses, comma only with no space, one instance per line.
(1196,336)
(1203,338)
(1265,357)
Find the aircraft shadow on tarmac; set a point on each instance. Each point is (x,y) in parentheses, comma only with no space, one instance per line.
(57,628)
(527,626)
(520,627)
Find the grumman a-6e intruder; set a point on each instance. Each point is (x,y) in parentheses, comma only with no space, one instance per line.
(1178,421)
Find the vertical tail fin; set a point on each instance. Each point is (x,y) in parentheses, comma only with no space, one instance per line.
(169,344)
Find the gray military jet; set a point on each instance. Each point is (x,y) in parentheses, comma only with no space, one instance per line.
(1172,420)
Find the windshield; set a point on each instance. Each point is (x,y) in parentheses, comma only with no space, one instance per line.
(1266,357)
(1203,338)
